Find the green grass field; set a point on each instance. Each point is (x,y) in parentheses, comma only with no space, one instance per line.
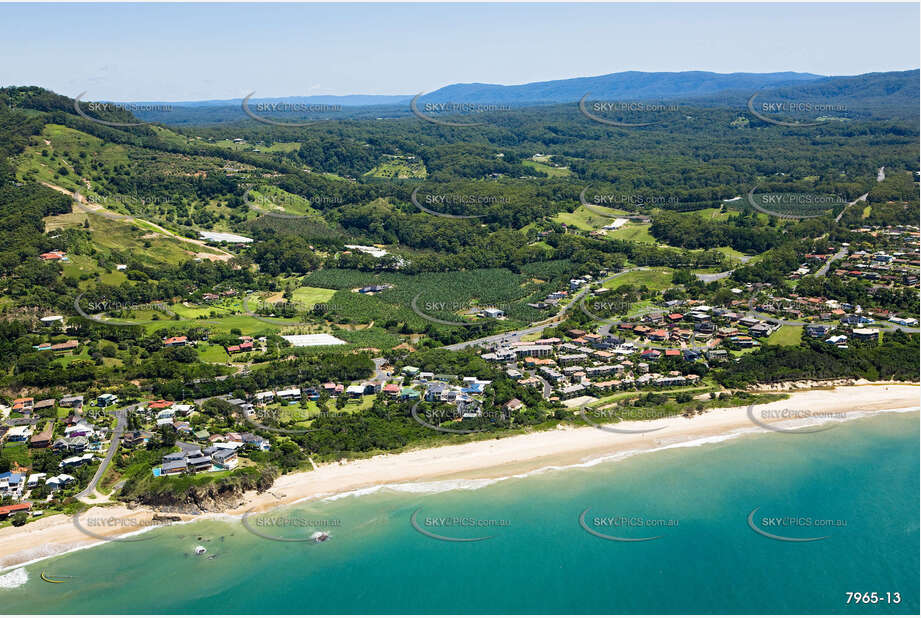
(212,354)
(654,278)
(786,335)
(551,170)
(634,232)
(585,219)
(308,296)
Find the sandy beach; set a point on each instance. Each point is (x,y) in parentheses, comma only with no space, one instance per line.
(488,459)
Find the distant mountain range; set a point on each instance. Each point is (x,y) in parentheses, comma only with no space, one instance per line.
(628,85)
(892,94)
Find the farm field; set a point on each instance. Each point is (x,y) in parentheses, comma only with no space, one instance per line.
(634,232)
(551,170)
(657,278)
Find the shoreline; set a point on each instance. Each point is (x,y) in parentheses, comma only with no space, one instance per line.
(472,464)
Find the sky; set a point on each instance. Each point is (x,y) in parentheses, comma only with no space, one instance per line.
(160,52)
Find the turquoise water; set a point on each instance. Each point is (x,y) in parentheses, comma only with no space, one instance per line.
(863,473)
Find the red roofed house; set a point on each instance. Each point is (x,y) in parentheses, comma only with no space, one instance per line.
(391,389)
(24,507)
(172,341)
(53,256)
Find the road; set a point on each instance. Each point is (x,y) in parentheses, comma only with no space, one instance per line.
(844,210)
(121,416)
(842,252)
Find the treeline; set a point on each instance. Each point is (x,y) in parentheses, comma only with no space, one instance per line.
(895,358)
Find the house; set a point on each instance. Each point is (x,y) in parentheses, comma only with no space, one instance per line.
(35,479)
(289,395)
(391,390)
(492,313)
(6,511)
(76,444)
(12,484)
(817,330)
(76,460)
(513,406)
(81,428)
(44,404)
(199,463)
(866,334)
(134,438)
(408,393)
(71,401)
(354,391)
(43,438)
(66,346)
(226,458)
(23,405)
(176,341)
(59,481)
(177,466)
(20,433)
(105,400)
(258,442)
(53,256)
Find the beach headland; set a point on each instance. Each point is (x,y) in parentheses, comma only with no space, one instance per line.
(482,461)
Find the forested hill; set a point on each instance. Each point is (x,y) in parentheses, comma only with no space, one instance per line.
(630,85)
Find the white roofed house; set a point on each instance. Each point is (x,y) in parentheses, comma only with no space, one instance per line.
(289,394)
(59,481)
(354,391)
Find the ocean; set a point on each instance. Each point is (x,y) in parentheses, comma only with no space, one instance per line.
(720,526)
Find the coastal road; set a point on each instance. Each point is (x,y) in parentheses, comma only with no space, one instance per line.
(121,416)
